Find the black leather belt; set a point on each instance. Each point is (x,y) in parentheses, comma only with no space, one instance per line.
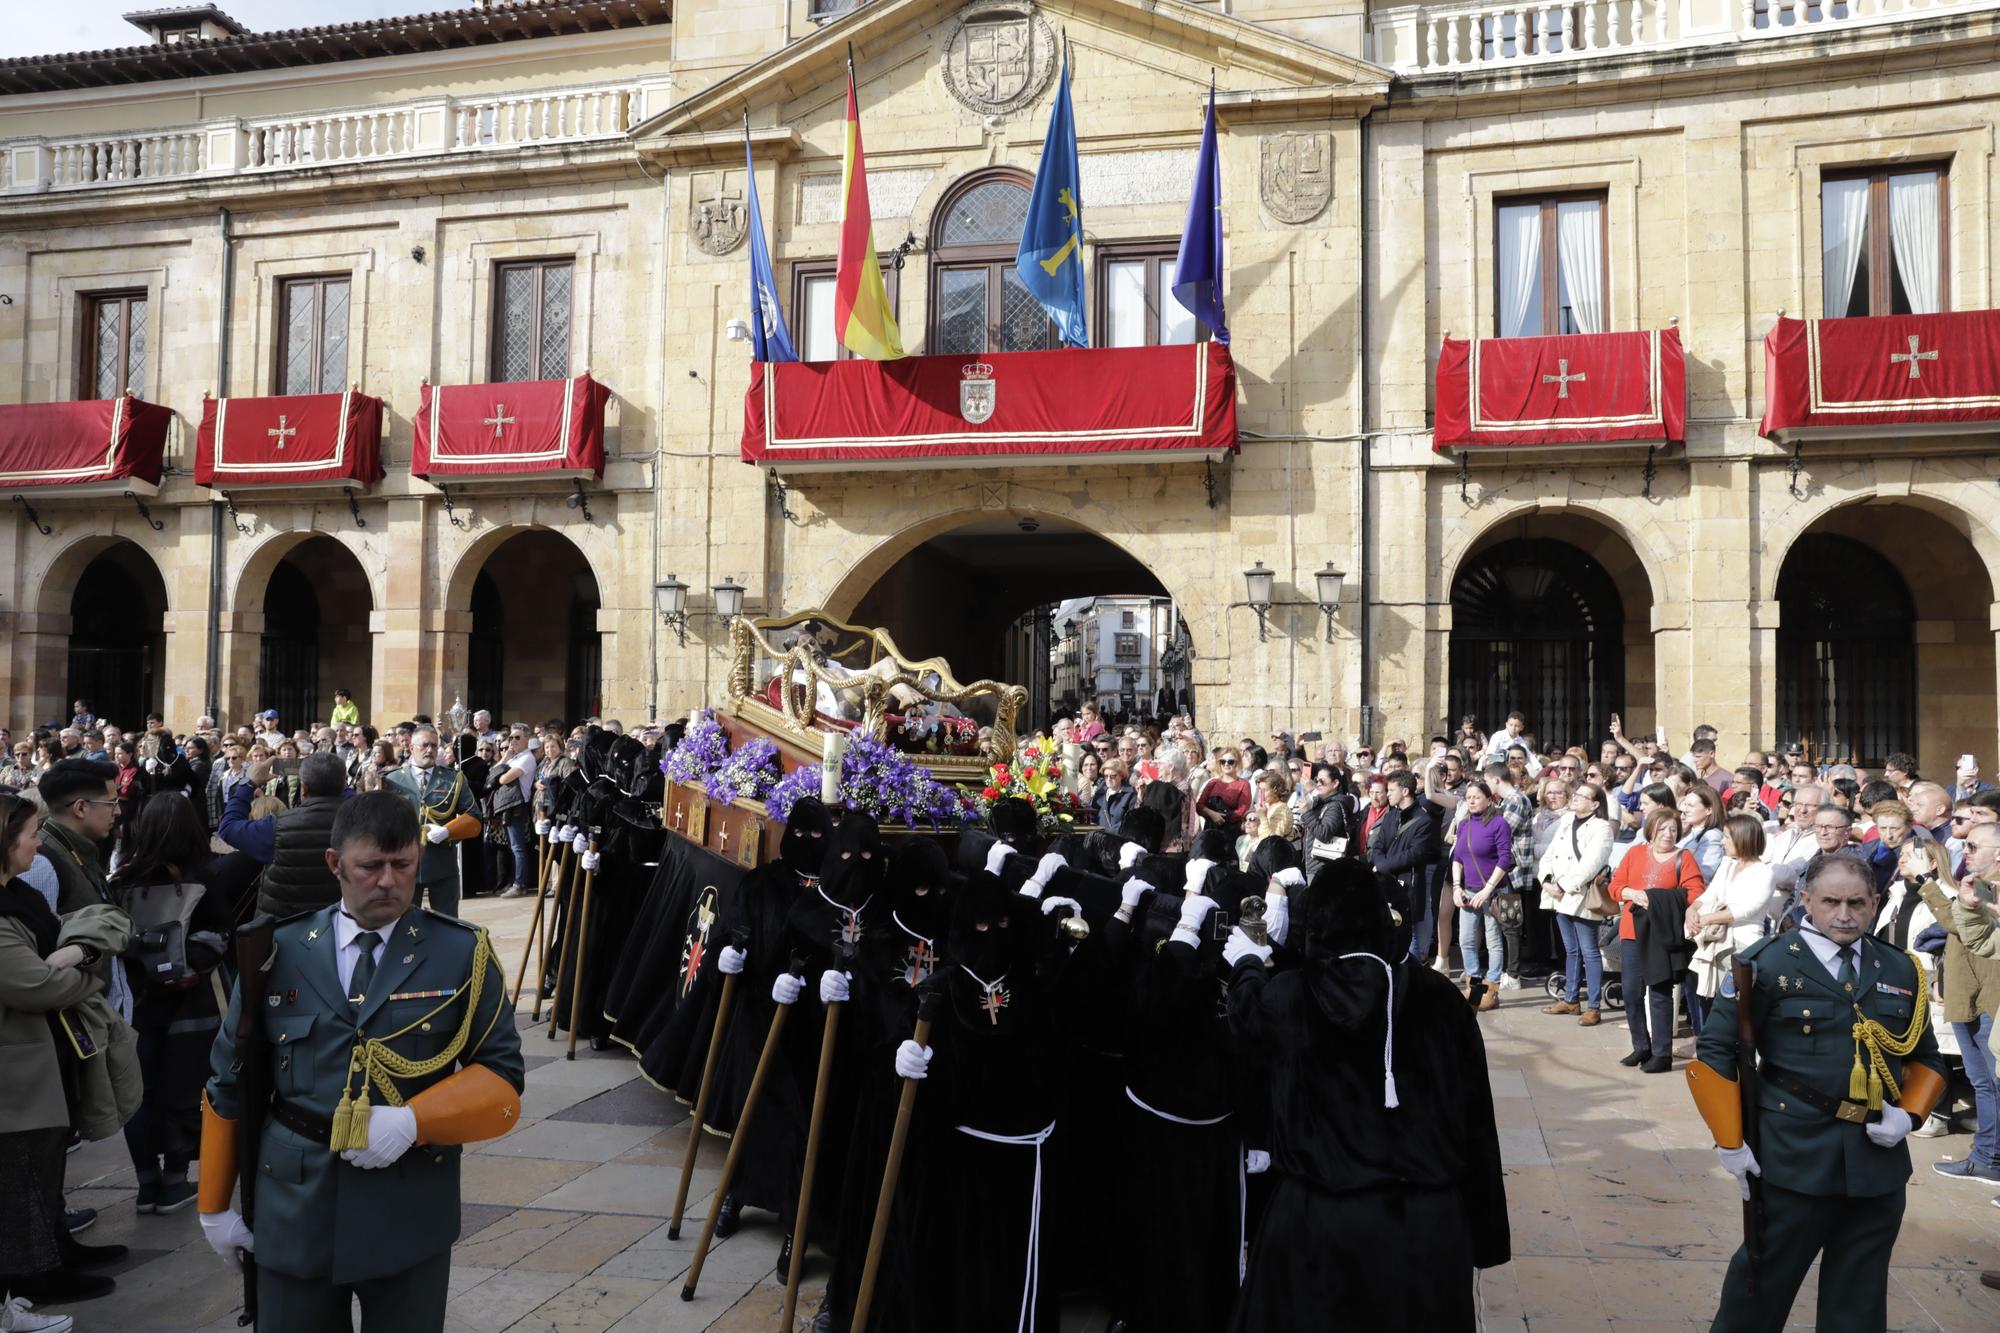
(311,1127)
(1854,1113)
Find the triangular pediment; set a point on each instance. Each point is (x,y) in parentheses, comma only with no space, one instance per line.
(965,65)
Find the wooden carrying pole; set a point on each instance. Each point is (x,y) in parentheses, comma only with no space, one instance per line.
(534,926)
(765,1060)
(562,930)
(576,962)
(803,1213)
(701,1100)
(899,1138)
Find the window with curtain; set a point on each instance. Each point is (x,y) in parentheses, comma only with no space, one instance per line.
(978,302)
(114,345)
(1135,298)
(812,308)
(312,335)
(1551,271)
(1884,242)
(531,320)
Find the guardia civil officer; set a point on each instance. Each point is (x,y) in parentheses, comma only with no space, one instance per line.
(446,804)
(1846,1065)
(390,1044)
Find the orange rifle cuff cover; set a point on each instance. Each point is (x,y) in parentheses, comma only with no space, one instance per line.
(1720,1101)
(1923,1088)
(471,1105)
(218,1161)
(461,827)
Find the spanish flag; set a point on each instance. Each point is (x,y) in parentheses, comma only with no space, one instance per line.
(861,314)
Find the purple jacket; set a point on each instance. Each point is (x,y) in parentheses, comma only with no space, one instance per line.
(1483,844)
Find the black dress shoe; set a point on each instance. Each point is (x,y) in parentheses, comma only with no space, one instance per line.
(75,1254)
(61,1286)
(728,1217)
(784,1267)
(1636,1058)
(1659,1064)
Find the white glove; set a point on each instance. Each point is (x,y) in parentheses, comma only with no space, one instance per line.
(1194,910)
(436,833)
(1239,946)
(913,1061)
(1135,889)
(1256,1162)
(1742,1163)
(731,960)
(1277,918)
(541,828)
(565,832)
(1045,870)
(833,987)
(580,843)
(1131,854)
(1291,877)
(153,766)
(786,989)
(391,1131)
(228,1235)
(1893,1127)
(1197,876)
(1049,905)
(591,860)
(995,854)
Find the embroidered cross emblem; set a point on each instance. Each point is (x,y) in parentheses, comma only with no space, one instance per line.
(1562,379)
(850,926)
(919,961)
(285,432)
(499,419)
(997,998)
(1913,357)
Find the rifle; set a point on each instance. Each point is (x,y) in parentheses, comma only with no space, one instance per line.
(1745,977)
(252,1068)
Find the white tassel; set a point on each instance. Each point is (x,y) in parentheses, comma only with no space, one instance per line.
(1389,1090)
(1389,1098)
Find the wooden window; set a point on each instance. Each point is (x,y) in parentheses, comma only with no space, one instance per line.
(978,302)
(1127,647)
(1135,298)
(1552,270)
(312,335)
(1885,241)
(813,333)
(114,345)
(531,315)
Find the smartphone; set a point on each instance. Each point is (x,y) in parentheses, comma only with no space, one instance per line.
(79,1037)
(1659,735)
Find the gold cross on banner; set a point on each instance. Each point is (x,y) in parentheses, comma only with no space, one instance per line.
(1912,357)
(722,838)
(284,432)
(1562,378)
(499,419)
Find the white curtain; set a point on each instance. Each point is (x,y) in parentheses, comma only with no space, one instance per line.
(1520,261)
(1580,238)
(1844,231)
(1913,230)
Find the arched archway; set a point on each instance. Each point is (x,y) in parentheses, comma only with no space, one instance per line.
(984,594)
(532,649)
(314,634)
(1883,640)
(1551,616)
(116,654)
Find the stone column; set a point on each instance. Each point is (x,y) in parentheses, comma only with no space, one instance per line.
(406,662)
(241,658)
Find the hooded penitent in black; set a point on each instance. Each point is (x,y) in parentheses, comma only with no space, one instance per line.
(1382,1137)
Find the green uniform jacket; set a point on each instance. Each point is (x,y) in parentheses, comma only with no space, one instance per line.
(1805,1026)
(319,1217)
(441,796)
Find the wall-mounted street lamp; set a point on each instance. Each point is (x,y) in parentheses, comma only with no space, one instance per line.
(1328,583)
(670,599)
(728,599)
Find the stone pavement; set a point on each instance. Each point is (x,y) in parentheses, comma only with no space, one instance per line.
(1621,1218)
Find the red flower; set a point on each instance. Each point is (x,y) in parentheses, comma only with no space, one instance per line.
(1028,776)
(1000,773)
(991,793)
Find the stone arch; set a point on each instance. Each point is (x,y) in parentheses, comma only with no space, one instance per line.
(518,571)
(253,576)
(318,632)
(1784,529)
(465,568)
(116,656)
(1462,540)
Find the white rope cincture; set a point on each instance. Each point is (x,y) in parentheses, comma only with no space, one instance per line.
(1389,1041)
(1033,1272)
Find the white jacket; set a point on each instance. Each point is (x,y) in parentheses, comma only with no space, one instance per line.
(1748,893)
(1576,856)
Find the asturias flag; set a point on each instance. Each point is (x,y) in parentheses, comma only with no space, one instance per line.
(769,338)
(1051,255)
(861,314)
(1198,269)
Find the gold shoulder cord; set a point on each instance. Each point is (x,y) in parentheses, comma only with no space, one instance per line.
(379,1065)
(1872,1082)
(439,814)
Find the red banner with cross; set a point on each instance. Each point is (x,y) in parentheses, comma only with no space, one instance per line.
(292,439)
(68,444)
(503,430)
(1881,375)
(1581,388)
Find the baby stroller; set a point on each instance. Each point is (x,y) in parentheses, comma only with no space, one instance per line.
(1614,986)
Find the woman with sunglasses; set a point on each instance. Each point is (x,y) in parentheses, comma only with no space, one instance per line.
(1224,802)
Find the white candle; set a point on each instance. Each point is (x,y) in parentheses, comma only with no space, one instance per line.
(832,746)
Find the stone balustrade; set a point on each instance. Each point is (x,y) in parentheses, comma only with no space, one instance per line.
(269,144)
(1424,39)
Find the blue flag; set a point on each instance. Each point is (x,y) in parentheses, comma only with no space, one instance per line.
(769,339)
(1050,260)
(1198,268)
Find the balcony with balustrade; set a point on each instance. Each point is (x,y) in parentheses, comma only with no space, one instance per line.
(464,127)
(1497,35)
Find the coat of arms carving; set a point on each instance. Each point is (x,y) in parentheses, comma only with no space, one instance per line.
(718,219)
(998,56)
(1296,174)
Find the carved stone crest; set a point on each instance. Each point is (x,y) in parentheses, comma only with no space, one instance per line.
(718,219)
(1295,174)
(998,56)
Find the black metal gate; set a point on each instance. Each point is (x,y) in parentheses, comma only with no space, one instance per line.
(288,665)
(1847,665)
(111,647)
(584,690)
(1537,627)
(486,650)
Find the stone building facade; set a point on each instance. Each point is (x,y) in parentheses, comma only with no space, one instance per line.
(1367,158)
